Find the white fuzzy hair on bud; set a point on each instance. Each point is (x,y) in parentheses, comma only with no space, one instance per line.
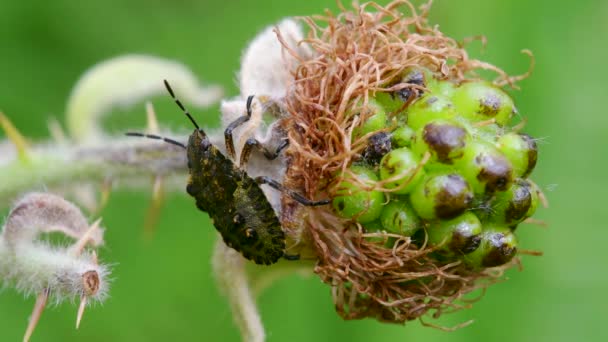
(33,266)
(265,67)
(267,79)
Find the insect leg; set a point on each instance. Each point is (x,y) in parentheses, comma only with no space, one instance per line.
(291,257)
(233,125)
(253,143)
(296,196)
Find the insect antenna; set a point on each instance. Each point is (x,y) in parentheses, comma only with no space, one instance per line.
(156,137)
(179,103)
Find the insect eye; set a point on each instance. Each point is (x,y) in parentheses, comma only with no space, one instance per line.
(238,219)
(251,234)
(205,144)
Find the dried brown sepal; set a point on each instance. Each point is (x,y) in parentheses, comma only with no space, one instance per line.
(357,53)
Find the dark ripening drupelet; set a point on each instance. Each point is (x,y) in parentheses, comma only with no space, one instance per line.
(478,101)
(395,101)
(457,236)
(445,141)
(521,150)
(453,198)
(519,202)
(485,168)
(442,196)
(495,172)
(514,205)
(532,153)
(413,77)
(498,246)
(378,145)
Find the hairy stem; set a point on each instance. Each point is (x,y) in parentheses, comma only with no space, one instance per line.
(129,161)
(229,269)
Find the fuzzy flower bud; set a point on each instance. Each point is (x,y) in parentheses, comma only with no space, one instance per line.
(33,266)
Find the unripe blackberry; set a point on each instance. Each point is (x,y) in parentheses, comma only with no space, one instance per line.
(520,149)
(460,235)
(353,201)
(403,165)
(430,107)
(453,178)
(514,205)
(485,168)
(445,140)
(444,88)
(480,101)
(442,196)
(498,246)
(398,217)
(403,136)
(375,119)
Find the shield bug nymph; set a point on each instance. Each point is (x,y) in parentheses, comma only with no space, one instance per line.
(234,201)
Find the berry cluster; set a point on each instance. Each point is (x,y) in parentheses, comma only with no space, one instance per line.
(441,165)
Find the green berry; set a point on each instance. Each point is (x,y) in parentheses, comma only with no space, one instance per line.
(485,168)
(374,227)
(497,247)
(480,101)
(398,217)
(389,102)
(395,101)
(514,205)
(520,149)
(443,196)
(401,164)
(444,139)
(351,201)
(428,108)
(375,119)
(457,236)
(444,88)
(403,136)
(489,132)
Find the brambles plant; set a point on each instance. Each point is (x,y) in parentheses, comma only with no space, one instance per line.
(422,160)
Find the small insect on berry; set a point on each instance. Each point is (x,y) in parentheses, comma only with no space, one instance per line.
(234,201)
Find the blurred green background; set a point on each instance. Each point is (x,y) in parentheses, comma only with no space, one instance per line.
(163,289)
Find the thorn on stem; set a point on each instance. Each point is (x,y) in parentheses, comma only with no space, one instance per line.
(152,122)
(153,213)
(14,136)
(83,304)
(77,248)
(106,190)
(57,131)
(36,313)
